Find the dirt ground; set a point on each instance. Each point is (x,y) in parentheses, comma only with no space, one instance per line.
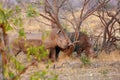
(104,67)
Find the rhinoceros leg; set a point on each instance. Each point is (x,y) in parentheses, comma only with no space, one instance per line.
(57,51)
(79,51)
(52,54)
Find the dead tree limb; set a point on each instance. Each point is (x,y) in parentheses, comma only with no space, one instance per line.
(53,12)
(110,29)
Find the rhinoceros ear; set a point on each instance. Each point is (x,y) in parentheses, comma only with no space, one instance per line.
(58,31)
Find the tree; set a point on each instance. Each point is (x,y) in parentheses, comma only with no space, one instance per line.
(111,26)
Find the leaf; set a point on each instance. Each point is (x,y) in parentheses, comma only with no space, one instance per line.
(36,76)
(18,22)
(8,13)
(28,54)
(8,27)
(85,60)
(11,75)
(21,32)
(6,71)
(31,12)
(2,16)
(21,67)
(33,78)
(17,8)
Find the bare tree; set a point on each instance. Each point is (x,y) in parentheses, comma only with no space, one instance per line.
(52,14)
(86,10)
(53,7)
(109,19)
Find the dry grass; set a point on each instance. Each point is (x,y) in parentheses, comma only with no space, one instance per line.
(105,67)
(69,68)
(113,56)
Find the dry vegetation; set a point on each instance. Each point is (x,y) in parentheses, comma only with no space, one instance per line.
(103,67)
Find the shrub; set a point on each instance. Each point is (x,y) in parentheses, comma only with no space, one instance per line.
(84,59)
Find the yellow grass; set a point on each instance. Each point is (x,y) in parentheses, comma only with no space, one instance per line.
(113,56)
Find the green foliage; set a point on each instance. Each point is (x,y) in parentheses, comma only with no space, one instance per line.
(6,71)
(18,66)
(21,32)
(54,76)
(31,12)
(104,71)
(15,17)
(4,16)
(11,16)
(44,75)
(8,27)
(84,59)
(11,74)
(43,52)
(33,51)
(38,75)
(17,9)
(18,22)
(8,74)
(8,13)
(38,52)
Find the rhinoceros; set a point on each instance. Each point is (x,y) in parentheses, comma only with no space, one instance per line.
(83,45)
